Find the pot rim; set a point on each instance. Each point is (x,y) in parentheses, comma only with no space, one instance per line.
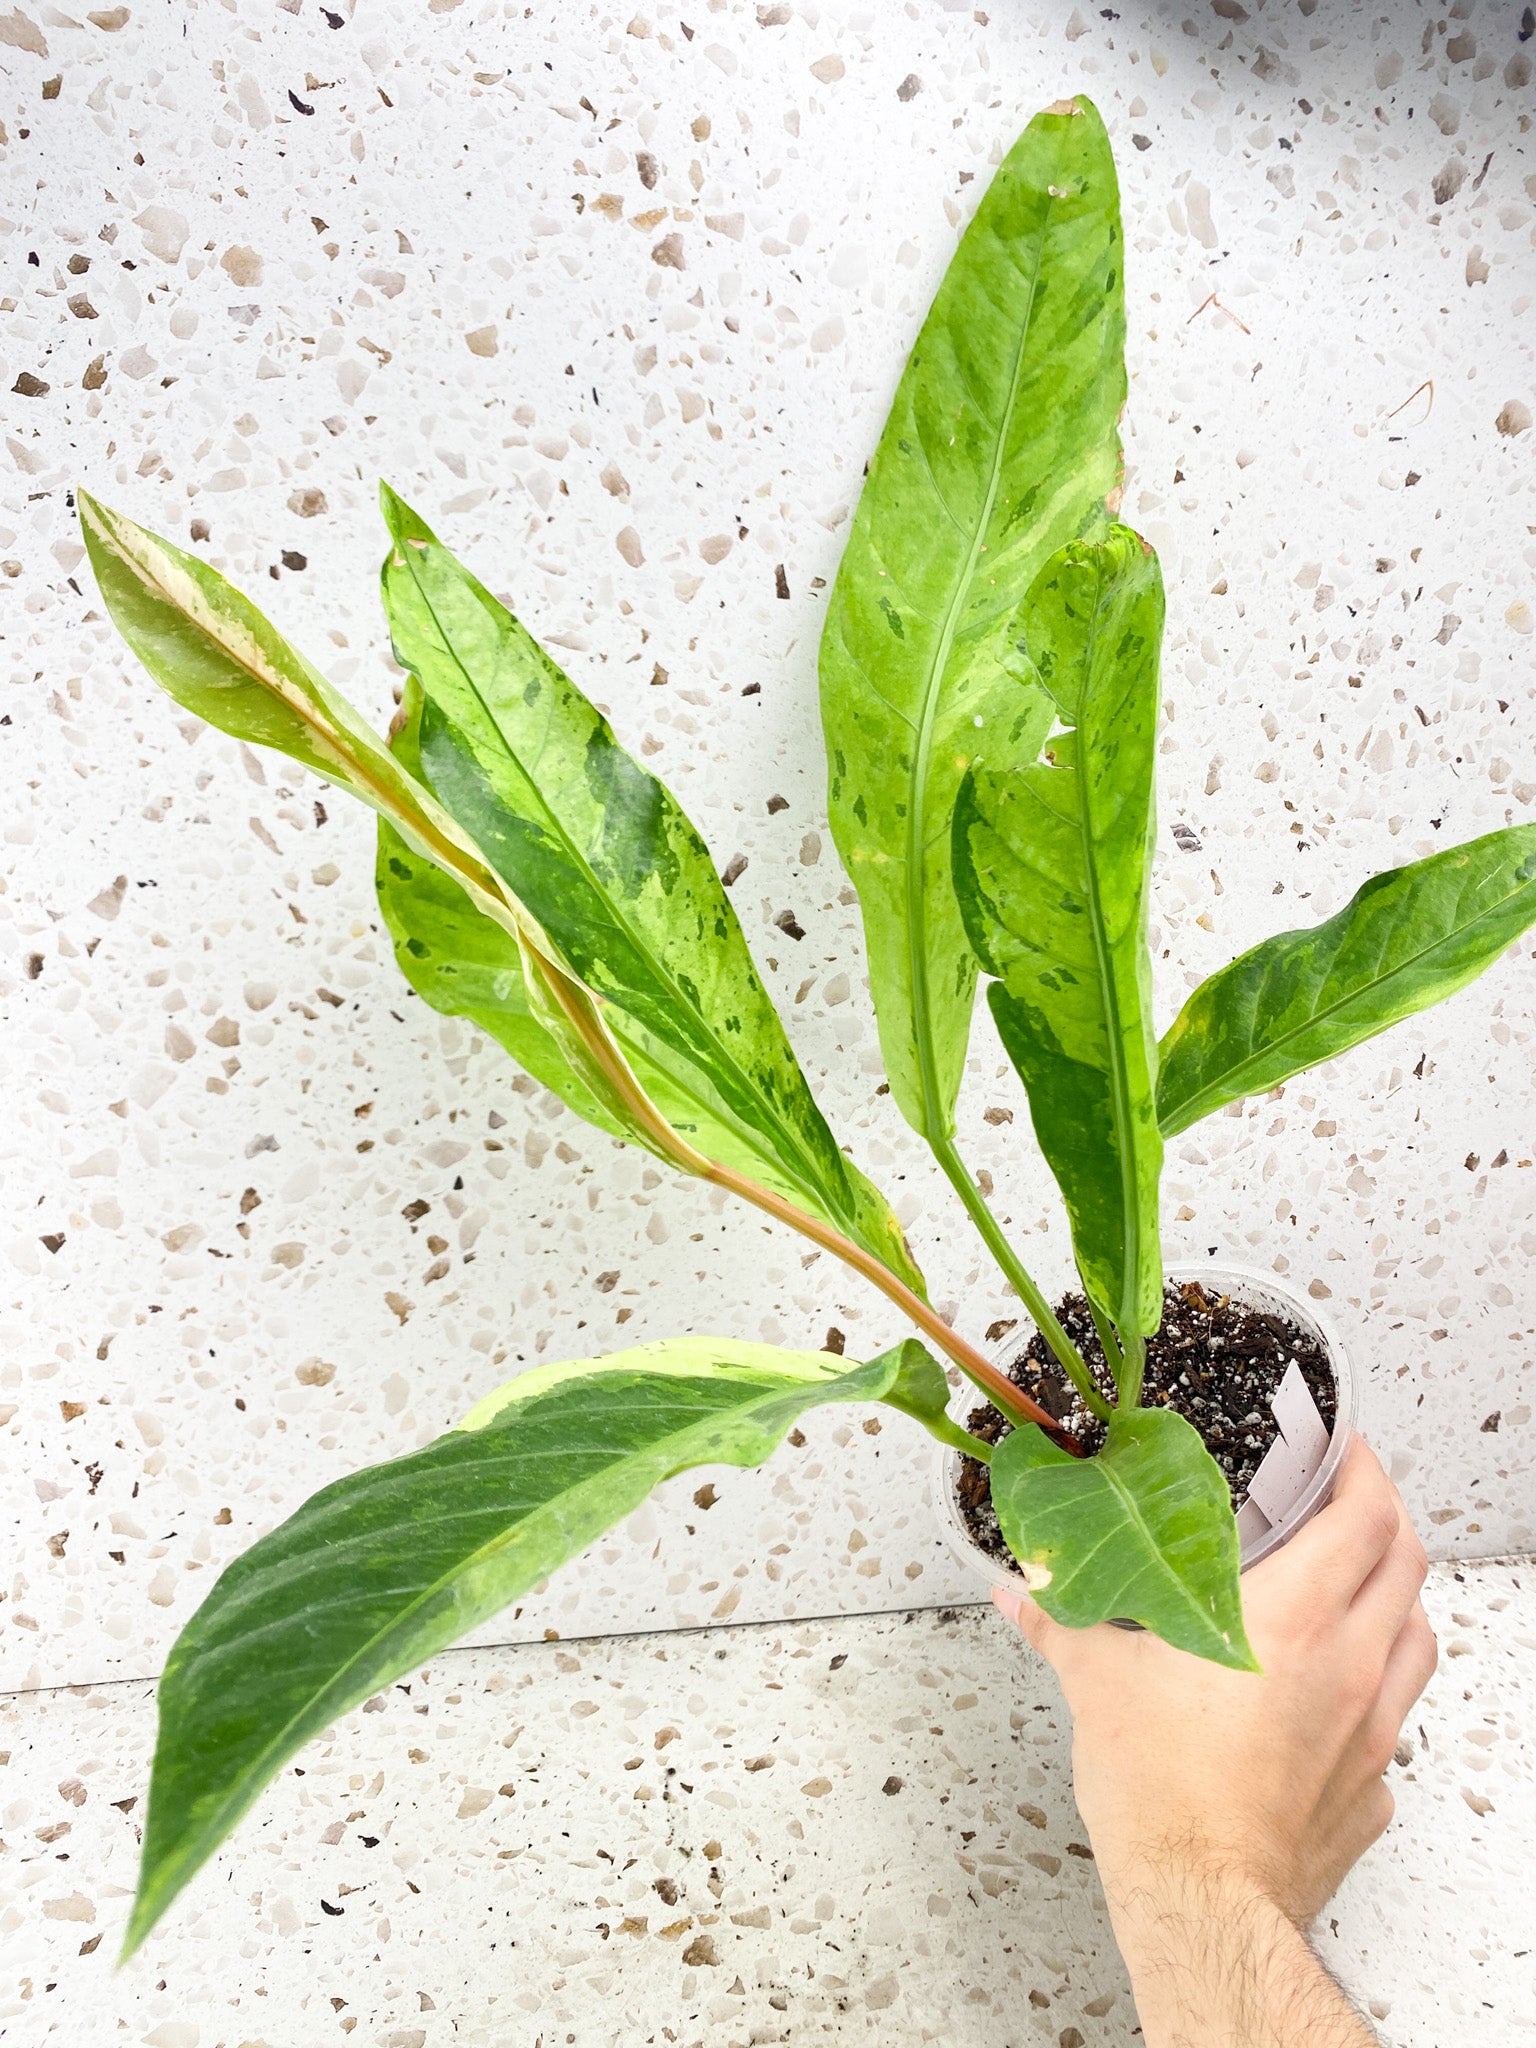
(1247,1283)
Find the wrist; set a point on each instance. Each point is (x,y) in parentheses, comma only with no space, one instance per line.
(1187,1874)
(1215,1958)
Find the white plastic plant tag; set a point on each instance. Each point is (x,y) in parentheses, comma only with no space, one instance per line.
(1295,1454)
(1300,1424)
(1252,1523)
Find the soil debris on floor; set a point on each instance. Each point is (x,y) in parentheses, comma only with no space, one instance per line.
(1215,1360)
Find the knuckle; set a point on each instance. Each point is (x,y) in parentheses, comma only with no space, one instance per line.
(1378,1523)
(1383,1807)
(1379,1748)
(1428,1647)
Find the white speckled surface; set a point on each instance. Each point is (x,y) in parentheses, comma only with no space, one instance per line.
(460,269)
(847,1831)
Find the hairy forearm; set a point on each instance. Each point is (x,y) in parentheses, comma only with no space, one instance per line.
(1217,1965)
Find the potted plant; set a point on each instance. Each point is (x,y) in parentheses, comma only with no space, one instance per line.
(989,681)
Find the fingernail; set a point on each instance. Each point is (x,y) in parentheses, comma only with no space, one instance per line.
(1008,1603)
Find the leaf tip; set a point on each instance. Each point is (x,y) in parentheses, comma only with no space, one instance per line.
(404,524)
(140,1921)
(93,514)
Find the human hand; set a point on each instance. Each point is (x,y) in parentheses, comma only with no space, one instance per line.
(1216,1796)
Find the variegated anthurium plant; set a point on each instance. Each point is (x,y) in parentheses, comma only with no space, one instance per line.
(989,681)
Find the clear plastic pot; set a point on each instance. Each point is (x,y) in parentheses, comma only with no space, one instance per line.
(1257,1290)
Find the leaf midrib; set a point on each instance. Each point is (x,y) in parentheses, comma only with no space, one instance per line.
(1134,1515)
(1320,1017)
(1119,1079)
(936,1119)
(230,1809)
(671,987)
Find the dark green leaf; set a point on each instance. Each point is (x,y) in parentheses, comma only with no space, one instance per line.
(464,963)
(381,1570)
(1142,1532)
(1407,939)
(615,873)
(1051,865)
(1001,444)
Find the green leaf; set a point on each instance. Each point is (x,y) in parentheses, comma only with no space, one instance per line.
(382,1569)
(1142,1532)
(1407,939)
(615,873)
(467,965)
(1001,444)
(210,648)
(1051,868)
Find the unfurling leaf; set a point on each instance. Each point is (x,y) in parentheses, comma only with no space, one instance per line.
(1051,871)
(209,647)
(1002,443)
(382,1569)
(1407,939)
(1142,1532)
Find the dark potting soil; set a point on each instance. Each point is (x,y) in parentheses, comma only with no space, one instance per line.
(1215,1360)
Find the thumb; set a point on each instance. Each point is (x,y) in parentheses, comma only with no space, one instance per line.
(1032,1622)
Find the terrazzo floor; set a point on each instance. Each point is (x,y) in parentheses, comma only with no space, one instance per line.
(847,1830)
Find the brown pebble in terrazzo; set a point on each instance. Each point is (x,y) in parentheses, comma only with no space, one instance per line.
(241,265)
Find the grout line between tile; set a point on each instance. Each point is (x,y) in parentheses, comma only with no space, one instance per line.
(1438,1566)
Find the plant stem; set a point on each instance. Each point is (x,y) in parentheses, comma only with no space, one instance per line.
(957,1438)
(585,1015)
(999,1390)
(1129,1379)
(1109,1340)
(1066,1352)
